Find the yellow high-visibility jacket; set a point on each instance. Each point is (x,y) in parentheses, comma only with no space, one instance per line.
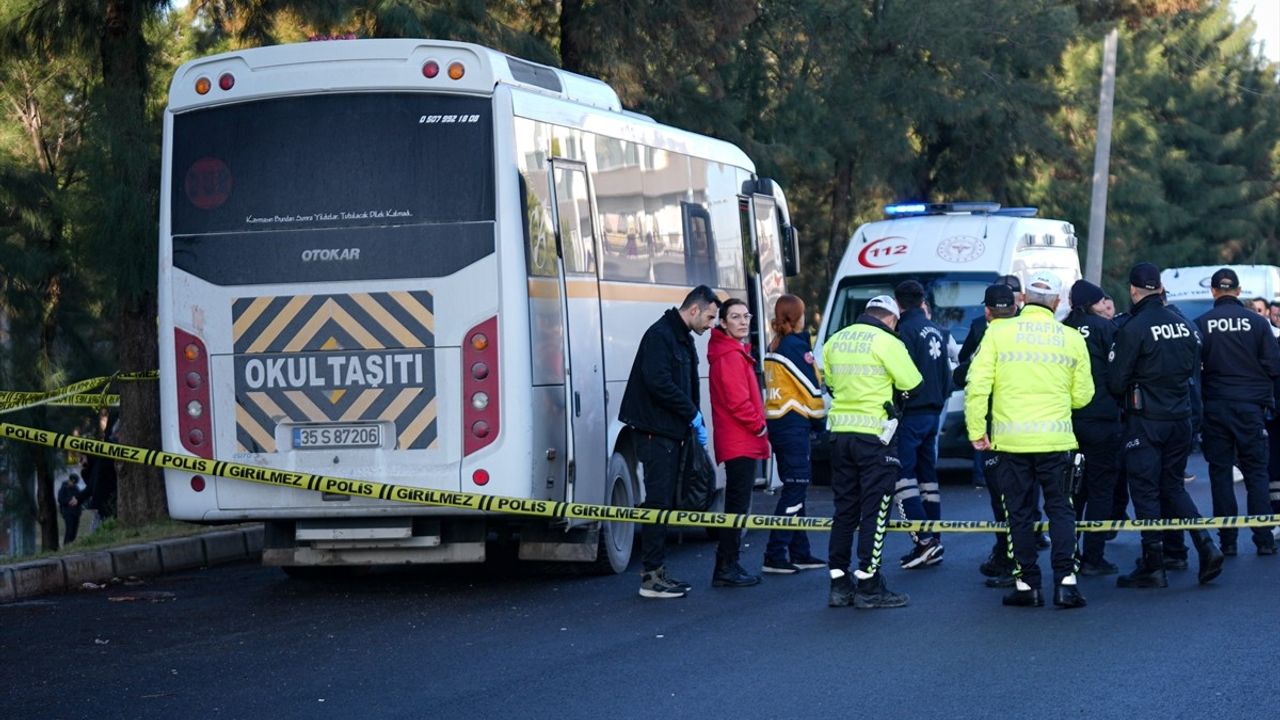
(1034,370)
(862,364)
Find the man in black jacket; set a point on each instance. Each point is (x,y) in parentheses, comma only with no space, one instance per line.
(1096,425)
(660,405)
(1241,369)
(1154,355)
(916,493)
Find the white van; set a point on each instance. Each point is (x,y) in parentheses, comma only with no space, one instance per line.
(955,250)
(1188,287)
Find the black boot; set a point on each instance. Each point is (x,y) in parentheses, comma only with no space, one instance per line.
(1019,597)
(872,593)
(1067,596)
(1150,570)
(732,575)
(1210,556)
(841,591)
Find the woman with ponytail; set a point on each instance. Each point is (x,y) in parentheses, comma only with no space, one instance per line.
(794,410)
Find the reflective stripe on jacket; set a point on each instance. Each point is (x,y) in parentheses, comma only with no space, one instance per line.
(1034,370)
(862,365)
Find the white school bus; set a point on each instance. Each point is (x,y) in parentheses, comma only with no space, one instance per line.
(429,263)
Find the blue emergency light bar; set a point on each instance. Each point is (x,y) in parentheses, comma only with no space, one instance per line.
(900,210)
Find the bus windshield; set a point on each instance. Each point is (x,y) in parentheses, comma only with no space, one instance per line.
(955,299)
(277,178)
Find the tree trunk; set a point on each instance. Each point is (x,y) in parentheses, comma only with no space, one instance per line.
(46,502)
(573,44)
(841,215)
(142,496)
(125,83)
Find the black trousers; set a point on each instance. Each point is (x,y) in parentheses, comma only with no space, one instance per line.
(1236,434)
(1155,459)
(72,521)
(990,461)
(863,473)
(1021,475)
(660,460)
(1100,444)
(740,475)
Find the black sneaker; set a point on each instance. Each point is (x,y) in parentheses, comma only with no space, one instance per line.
(653,585)
(808,562)
(872,593)
(841,592)
(779,567)
(734,576)
(1102,567)
(662,571)
(996,566)
(1266,549)
(1002,581)
(921,554)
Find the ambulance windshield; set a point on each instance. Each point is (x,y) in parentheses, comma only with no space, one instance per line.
(954,299)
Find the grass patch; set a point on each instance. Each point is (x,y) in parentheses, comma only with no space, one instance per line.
(112,533)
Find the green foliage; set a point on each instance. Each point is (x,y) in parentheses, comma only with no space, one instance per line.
(848,104)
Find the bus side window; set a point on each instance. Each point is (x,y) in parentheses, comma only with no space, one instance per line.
(576,225)
(624,241)
(540,242)
(699,245)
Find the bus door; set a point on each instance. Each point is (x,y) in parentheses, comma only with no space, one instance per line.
(586,421)
(762,258)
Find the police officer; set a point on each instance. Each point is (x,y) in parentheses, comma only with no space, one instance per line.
(999,303)
(1096,425)
(1035,371)
(1241,368)
(863,364)
(977,329)
(917,493)
(1154,355)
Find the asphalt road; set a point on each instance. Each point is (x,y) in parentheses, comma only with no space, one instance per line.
(506,640)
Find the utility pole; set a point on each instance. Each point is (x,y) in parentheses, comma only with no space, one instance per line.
(1101,163)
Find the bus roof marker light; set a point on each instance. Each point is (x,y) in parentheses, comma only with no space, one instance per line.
(226,81)
(456,70)
(203,86)
(430,69)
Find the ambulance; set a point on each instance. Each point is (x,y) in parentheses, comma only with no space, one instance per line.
(1188,287)
(955,250)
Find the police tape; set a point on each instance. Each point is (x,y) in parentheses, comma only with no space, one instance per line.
(77,394)
(550,508)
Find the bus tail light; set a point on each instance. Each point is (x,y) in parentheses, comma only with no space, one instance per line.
(480,394)
(195,420)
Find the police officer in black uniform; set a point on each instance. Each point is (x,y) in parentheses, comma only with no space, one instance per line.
(1096,425)
(1241,369)
(1153,357)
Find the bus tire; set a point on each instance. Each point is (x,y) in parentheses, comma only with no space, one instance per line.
(617,539)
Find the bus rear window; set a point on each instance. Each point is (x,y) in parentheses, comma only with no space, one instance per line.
(332,161)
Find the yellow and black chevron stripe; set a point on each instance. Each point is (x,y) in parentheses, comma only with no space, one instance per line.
(335,358)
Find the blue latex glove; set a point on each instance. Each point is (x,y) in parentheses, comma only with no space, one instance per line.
(700,428)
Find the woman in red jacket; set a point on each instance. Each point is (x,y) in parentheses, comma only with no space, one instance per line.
(740,432)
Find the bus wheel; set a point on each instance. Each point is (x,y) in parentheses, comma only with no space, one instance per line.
(617,539)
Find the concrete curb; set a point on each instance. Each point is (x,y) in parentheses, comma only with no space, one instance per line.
(43,577)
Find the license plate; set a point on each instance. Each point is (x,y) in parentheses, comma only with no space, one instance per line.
(337,436)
